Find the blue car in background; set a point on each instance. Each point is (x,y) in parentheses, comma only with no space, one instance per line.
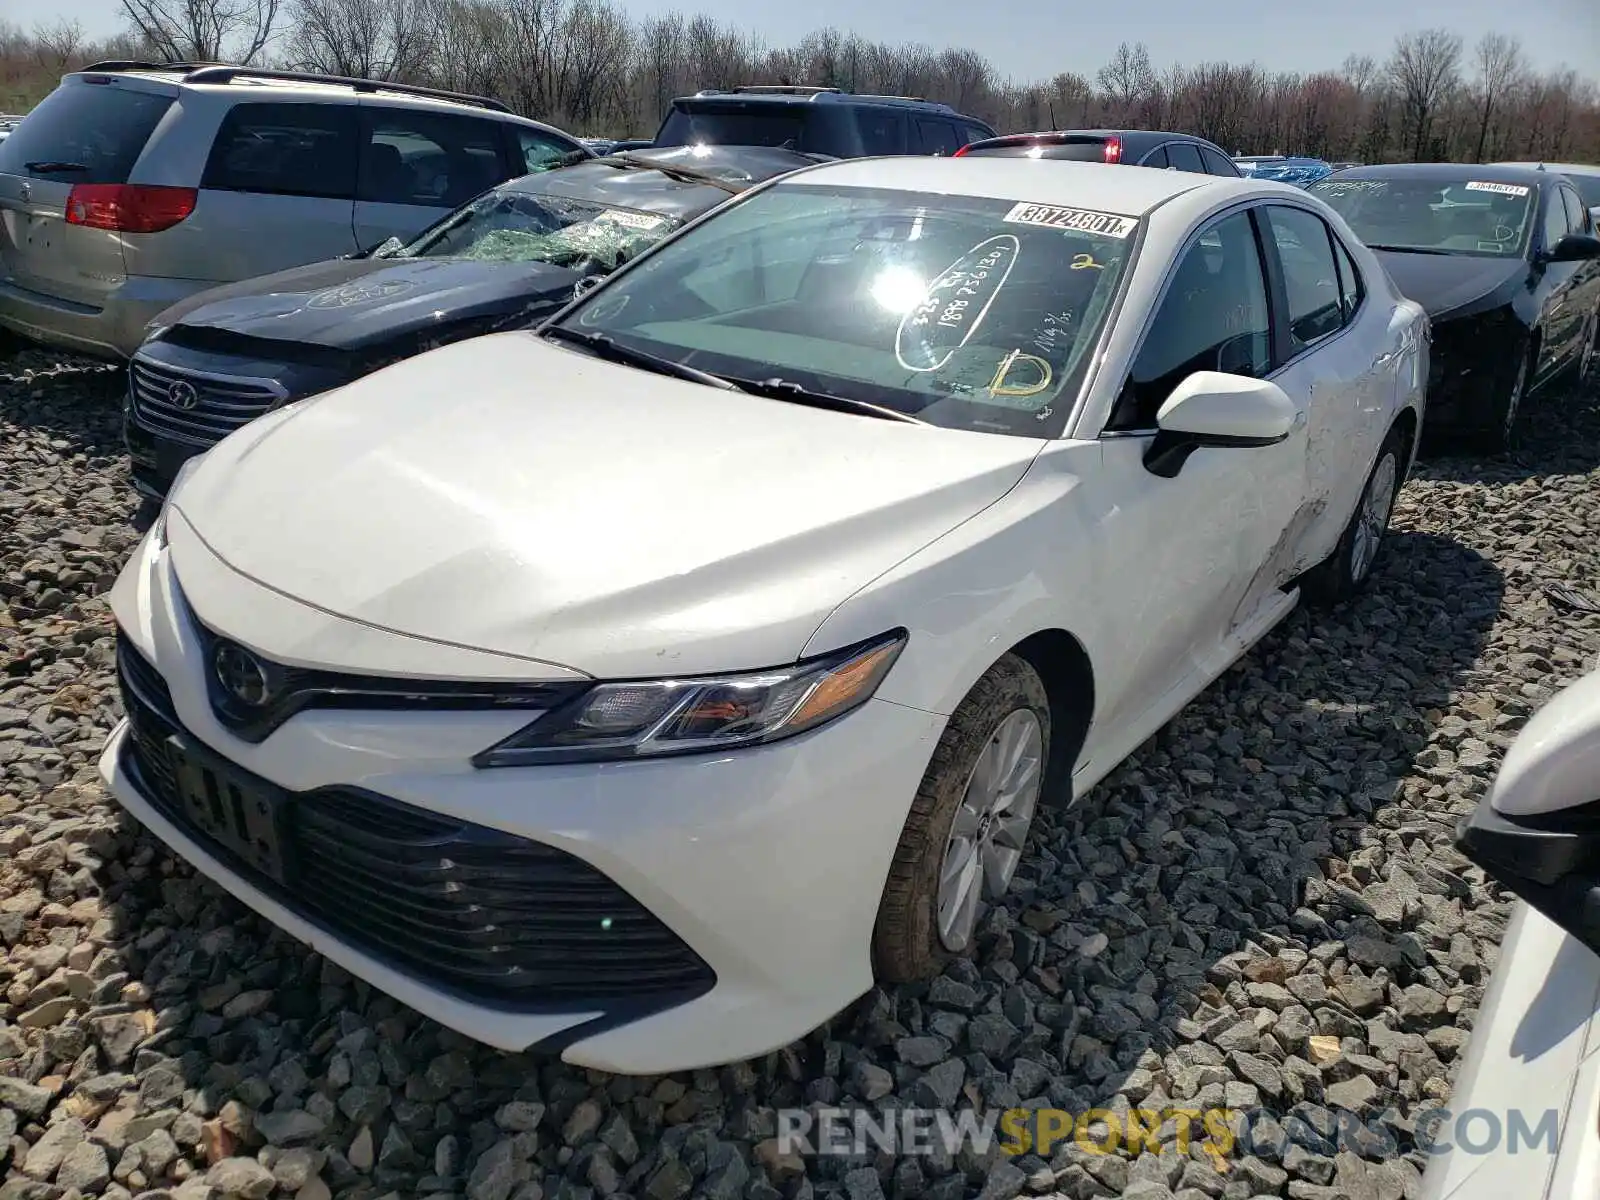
(1302,172)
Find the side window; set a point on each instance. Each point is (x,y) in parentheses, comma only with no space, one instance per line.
(1156,159)
(1214,317)
(285,150)
(883,131)
(975,133)
(1316,305)
(1185,157)
(430,159)
(1351,290)
(539,151)
(1555,218)
(1577,215)
(1218,164)
(937,137)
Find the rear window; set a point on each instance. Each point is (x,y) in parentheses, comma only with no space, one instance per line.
(769,125)
(90,133)
(286,150)
(1082,151)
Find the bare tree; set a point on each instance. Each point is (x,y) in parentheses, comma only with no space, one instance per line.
(1498,60)
(372,39)
(204,30)
(1128,77)
(57,44)
(1425,68)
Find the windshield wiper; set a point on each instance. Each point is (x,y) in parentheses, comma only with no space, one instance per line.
(681,174)
(52,167)
(787,389)
(608,347)
(1408,249)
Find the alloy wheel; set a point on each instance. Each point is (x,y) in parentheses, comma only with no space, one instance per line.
(990,825)
(1373,521)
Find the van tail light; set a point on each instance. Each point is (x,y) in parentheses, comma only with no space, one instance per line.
(129,207)
(1113,150)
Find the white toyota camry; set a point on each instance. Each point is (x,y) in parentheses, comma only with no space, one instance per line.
(643,687)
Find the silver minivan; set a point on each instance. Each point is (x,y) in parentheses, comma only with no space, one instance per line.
(133,186)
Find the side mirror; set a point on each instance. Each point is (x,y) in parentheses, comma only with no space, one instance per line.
(1575,247)
(1211,409)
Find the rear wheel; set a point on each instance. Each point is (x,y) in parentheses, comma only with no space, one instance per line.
(1345,572)
(965,832)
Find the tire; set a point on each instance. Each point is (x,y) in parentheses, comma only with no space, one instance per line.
(909,942)
(1345,573)
(1586,374)
(1500,436)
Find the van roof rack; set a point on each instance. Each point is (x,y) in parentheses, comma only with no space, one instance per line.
(877,96)
(214,74)
(134,64)
(207,72)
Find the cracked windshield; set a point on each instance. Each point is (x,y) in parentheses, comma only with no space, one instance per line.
(531,227)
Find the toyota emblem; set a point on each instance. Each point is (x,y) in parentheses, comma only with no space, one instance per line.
(182,394)
(242,675)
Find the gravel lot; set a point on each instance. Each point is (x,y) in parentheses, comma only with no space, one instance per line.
(1262,907)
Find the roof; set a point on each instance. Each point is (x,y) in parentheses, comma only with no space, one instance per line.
(1451,173)
(1558,168)
(1129,191)
(781,99)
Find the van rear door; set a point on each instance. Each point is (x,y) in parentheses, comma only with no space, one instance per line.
(90,131)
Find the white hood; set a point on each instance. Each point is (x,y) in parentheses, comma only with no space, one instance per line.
(510,495)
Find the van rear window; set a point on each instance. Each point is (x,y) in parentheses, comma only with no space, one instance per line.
(771,125)
(84,133)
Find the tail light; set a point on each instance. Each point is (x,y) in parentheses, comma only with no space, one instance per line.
(960,150)
(1113,150)
(129,207)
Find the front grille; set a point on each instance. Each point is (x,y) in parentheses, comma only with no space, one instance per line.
(468,909)
(221,403)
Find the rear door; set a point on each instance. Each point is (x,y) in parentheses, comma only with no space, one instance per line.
(278,191)
(1564,318)
(418,164)
(90,130)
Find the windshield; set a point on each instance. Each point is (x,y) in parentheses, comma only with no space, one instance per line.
(521,226)
(1476,217)
(964,312)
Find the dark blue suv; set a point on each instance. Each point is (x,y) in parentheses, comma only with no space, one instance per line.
(815,120)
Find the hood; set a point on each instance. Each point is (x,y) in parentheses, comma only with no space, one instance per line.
(1447,284)
(510,495)
(346,304)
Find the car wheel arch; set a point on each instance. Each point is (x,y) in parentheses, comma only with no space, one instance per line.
(1067,672)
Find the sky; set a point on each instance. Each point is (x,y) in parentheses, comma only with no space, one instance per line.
(1030,39)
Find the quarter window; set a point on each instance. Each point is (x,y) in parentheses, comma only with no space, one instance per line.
(428,159)
(1214,317)
(1310,278)
(1219,164)
(1351,289)
(1577,216)
(286,150)
(1156,159)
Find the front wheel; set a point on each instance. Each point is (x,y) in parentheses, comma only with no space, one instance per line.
(1345,572)
(1500,434)
(964,835)
(1588,373)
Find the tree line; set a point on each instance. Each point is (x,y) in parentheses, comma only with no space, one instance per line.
(587,66)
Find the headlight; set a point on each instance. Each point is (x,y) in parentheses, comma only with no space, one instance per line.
(653,718)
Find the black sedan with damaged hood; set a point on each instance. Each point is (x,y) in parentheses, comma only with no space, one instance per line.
(509,258)
(1507,264)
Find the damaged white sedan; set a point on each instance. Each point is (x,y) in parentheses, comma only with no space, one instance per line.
(643,687)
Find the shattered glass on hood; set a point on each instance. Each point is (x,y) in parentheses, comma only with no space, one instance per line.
(523,227)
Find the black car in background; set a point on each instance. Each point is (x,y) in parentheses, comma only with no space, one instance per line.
(818,120)
(1507,264)
(510,257)
(1124,147)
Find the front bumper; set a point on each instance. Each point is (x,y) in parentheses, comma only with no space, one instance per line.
(112,331)
(768,864)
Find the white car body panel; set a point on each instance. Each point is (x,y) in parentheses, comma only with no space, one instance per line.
(506,510)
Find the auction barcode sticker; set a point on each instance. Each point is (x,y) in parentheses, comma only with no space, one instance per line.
(1504,189)
(1082,220)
